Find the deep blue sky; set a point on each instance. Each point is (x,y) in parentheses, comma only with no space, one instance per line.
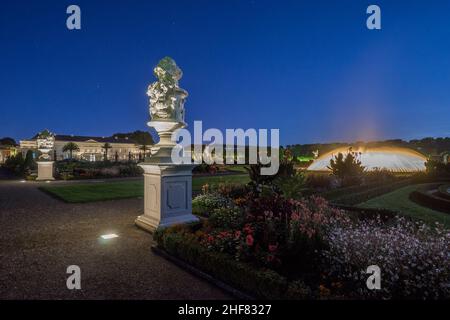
(310,68)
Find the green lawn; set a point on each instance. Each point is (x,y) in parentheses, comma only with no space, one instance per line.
(125,189)
(398,200)
(97,191)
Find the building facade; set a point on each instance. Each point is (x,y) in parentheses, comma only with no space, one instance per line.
(90,148)
(6,152)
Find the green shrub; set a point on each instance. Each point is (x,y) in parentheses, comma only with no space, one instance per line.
(205,204)
(298,290)
(260,282)
(437,169)
(292,187)
(227,218)
(321,181)
(347,168)
(15,164)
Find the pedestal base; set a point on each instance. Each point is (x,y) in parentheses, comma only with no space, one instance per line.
(167,195)
(45,170)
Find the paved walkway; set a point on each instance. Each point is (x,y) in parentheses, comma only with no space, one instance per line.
(41,236)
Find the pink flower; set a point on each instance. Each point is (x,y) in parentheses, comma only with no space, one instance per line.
(249,240)
(273,247)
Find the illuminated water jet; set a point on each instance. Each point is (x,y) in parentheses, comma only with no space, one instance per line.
(388,158)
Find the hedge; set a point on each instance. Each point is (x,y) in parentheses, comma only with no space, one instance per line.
(443,191)
(261,283)
(340,192)
(423,198)
(359,197)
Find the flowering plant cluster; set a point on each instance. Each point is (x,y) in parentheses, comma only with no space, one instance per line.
(271,230)
(311,241)
(414,258)
(208,202)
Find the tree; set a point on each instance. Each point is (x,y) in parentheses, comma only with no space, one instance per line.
(144,148)
(29,163)
(7,141)
(15,163)
(70,147)
(106,147)
(437,169)
(139,137)
(347,168)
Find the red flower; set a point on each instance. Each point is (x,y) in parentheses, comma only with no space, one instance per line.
(248,229)
(237,234)
(249,240)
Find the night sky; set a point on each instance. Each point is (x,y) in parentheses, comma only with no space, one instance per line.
(310,68)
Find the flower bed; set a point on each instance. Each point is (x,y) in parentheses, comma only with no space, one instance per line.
(258,282)
(68,170)
(273,247)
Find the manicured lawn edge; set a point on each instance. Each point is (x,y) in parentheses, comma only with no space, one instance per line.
(79,195)
(53,195)
(247,279)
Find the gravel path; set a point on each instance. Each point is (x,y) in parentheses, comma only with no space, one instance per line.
(41,236)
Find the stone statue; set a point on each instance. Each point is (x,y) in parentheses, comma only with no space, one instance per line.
(166,108)
(166,97)
(167,185)
(45,143)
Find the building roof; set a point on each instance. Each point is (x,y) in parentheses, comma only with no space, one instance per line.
(73,138)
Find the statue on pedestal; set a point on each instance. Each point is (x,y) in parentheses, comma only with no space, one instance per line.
(45,143)
(167,186)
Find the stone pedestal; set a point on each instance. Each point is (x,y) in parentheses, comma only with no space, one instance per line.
(45,170)
(167,195)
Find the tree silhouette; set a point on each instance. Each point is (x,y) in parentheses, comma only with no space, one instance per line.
(70,147)
(106,147)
